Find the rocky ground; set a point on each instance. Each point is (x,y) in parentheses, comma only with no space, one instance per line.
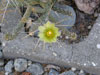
(21,66)
(86,12)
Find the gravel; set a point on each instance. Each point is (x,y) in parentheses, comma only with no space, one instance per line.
(20,64)
(35,69)
(53,72)
(68,73)
(9,66)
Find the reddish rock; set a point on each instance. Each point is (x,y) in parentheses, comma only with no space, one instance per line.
(26,73)
(87,6)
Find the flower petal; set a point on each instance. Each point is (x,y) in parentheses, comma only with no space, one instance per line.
(49,24)
(41,28)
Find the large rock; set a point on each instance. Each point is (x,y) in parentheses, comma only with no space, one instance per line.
(88,6)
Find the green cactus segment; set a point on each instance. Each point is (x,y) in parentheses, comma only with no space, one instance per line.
(48,32)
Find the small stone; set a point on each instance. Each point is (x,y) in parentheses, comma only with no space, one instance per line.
(53,72)
(26,73)
(35,69)
(29,63)
(55,54)
(3,44)
(73,69)
(48,67)
(20,64)
(67,37)
(81,72)
(9,66)
(1,62)
(94,64)
(98,46)
(89,27)
(68,73)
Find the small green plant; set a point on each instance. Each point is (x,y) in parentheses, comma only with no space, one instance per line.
(48,32)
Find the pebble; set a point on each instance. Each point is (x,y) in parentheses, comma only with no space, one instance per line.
(48,67)
(9,66)
(68,73)
(98,46)
(81,72)
(73,69)
(35,69)
(29,63)
(20,64)
(1,62)
(53,72)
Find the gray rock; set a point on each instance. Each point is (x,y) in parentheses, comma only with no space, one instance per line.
(53,72)
(9,66)
(35,69)
(68,73)
(66,16)
(20,64)
(1,62)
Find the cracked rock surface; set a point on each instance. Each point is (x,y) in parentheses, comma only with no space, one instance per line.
(84,55)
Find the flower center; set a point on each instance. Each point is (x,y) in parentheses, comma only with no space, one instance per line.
(49,33)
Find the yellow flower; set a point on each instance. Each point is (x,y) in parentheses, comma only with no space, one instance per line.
(48,32)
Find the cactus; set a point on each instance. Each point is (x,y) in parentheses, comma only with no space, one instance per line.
(45,8)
